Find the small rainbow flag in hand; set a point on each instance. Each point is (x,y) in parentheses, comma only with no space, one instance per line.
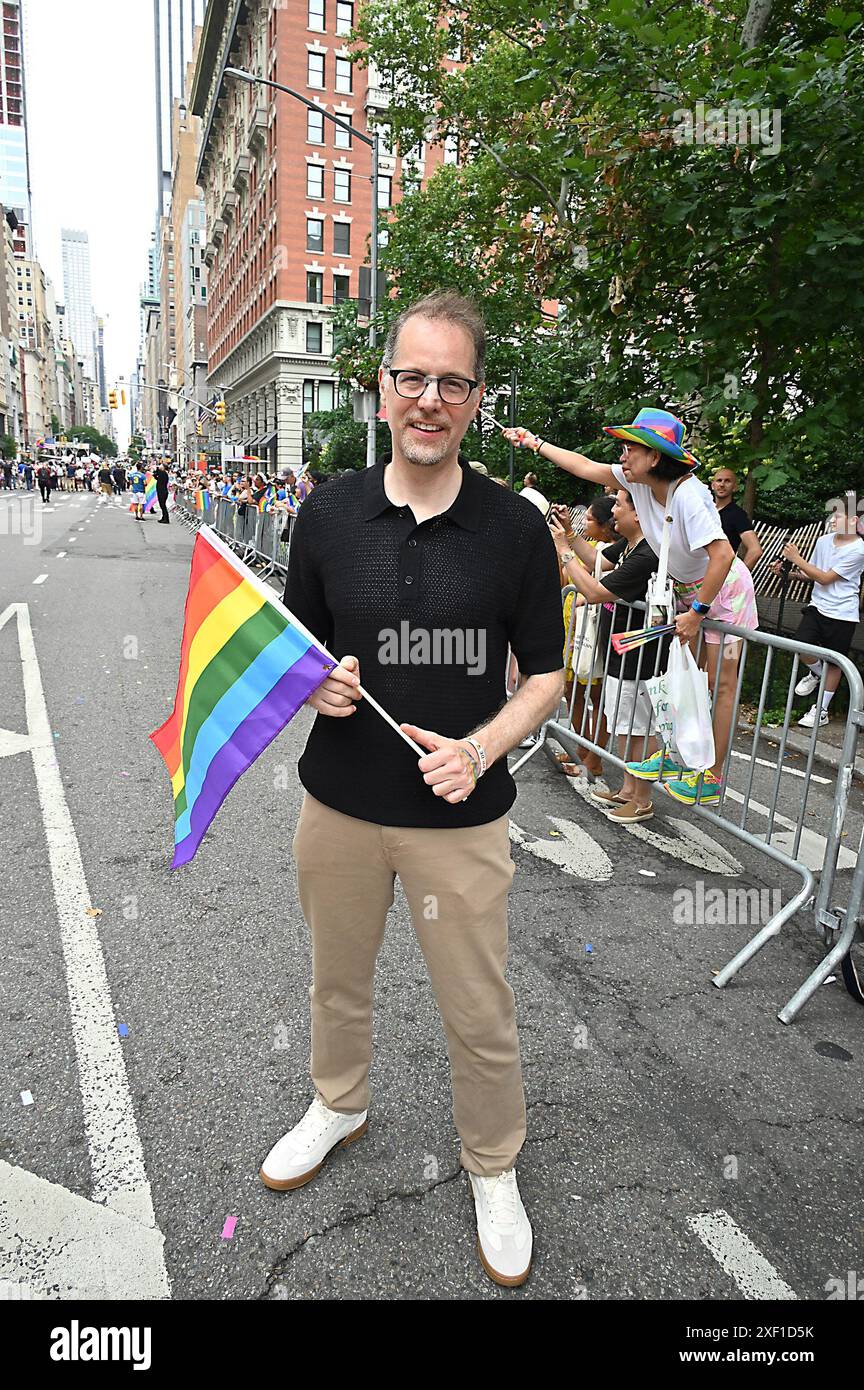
(149,493)
(638,636)
(246,667)
(202,499)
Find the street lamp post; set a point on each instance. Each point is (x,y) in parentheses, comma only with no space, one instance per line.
(372,142)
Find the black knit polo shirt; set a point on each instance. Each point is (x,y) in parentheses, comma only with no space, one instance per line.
(429,611)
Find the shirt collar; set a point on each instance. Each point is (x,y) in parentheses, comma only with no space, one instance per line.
(465,511)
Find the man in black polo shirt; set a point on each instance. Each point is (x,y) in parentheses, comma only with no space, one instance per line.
(735,522)
(424,571)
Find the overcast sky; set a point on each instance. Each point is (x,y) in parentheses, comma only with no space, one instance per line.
(91,110)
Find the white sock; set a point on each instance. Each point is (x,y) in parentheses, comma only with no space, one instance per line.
(816,669)
(827,697)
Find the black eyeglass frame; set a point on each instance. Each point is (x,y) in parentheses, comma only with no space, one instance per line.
(394,372)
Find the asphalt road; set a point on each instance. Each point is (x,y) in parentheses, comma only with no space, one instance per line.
(653,1098)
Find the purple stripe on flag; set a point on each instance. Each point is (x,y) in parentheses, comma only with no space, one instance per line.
(254,734)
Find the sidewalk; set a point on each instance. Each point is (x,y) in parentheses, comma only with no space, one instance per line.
(828,745)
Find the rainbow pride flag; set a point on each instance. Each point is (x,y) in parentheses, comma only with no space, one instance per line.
(149,493)
(246,667)
(265,503)
(638,636)
(202,499)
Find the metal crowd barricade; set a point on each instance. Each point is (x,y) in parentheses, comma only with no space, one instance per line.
(259,538)
(781,842)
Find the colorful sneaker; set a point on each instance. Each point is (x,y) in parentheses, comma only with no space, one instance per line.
(686,789)
(650,770)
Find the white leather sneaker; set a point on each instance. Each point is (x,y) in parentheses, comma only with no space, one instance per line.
(299,1155)
(814,716)
(504,1236)
(809,683)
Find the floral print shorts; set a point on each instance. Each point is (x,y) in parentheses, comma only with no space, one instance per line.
(735,603)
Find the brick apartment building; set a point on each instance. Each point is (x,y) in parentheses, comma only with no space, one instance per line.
(288,207)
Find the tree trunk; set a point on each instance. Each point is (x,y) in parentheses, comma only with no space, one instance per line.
(755,23)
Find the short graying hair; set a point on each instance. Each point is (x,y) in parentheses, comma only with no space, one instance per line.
(451,307)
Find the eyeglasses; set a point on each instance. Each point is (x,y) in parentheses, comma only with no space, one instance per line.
(453,390)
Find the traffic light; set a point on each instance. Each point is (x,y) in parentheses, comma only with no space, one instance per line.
(112,400)
(122,397)
(220,412)
(200,427)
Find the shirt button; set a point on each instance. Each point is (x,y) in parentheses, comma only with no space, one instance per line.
(412,543)
(409,579)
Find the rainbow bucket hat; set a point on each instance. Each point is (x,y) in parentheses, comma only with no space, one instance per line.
(656,429)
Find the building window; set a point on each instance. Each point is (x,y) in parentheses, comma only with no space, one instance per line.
(316,15)
(385,138)
(308,397)
(314,337)
(341,136)
(341,186)
(385,190)
(343,74)
(341,288)
(315,70)
(325,395)
(344,16)
(315,181)
(314,287)
(315,127)
(451,149)
(314,234)
(341,238)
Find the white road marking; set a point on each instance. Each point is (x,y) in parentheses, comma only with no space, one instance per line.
(61,554)
(694,847)
(791,771)
(577,852)
(116,1157)
(55,1244)
(72,540)
(40,579)
(739,1257)
(13,743)
(811,850)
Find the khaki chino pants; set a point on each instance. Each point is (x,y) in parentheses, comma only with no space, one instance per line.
(456,883)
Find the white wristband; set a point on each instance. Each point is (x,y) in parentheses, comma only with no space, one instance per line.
(481,754)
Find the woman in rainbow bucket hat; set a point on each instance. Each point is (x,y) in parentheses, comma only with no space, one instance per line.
(709,579)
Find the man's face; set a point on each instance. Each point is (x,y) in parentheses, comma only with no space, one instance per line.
(426,431)
(723,484)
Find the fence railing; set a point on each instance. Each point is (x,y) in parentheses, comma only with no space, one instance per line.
(261,539)
(736,812)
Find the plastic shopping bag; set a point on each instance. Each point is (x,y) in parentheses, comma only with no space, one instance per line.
(687,686)
(658,694)
(585,642)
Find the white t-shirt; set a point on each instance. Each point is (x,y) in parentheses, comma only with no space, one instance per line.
(840,599)
(695,523)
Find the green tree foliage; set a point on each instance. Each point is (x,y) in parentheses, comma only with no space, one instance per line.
(8,446)
(100,443)
(333,441)
(687,184)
